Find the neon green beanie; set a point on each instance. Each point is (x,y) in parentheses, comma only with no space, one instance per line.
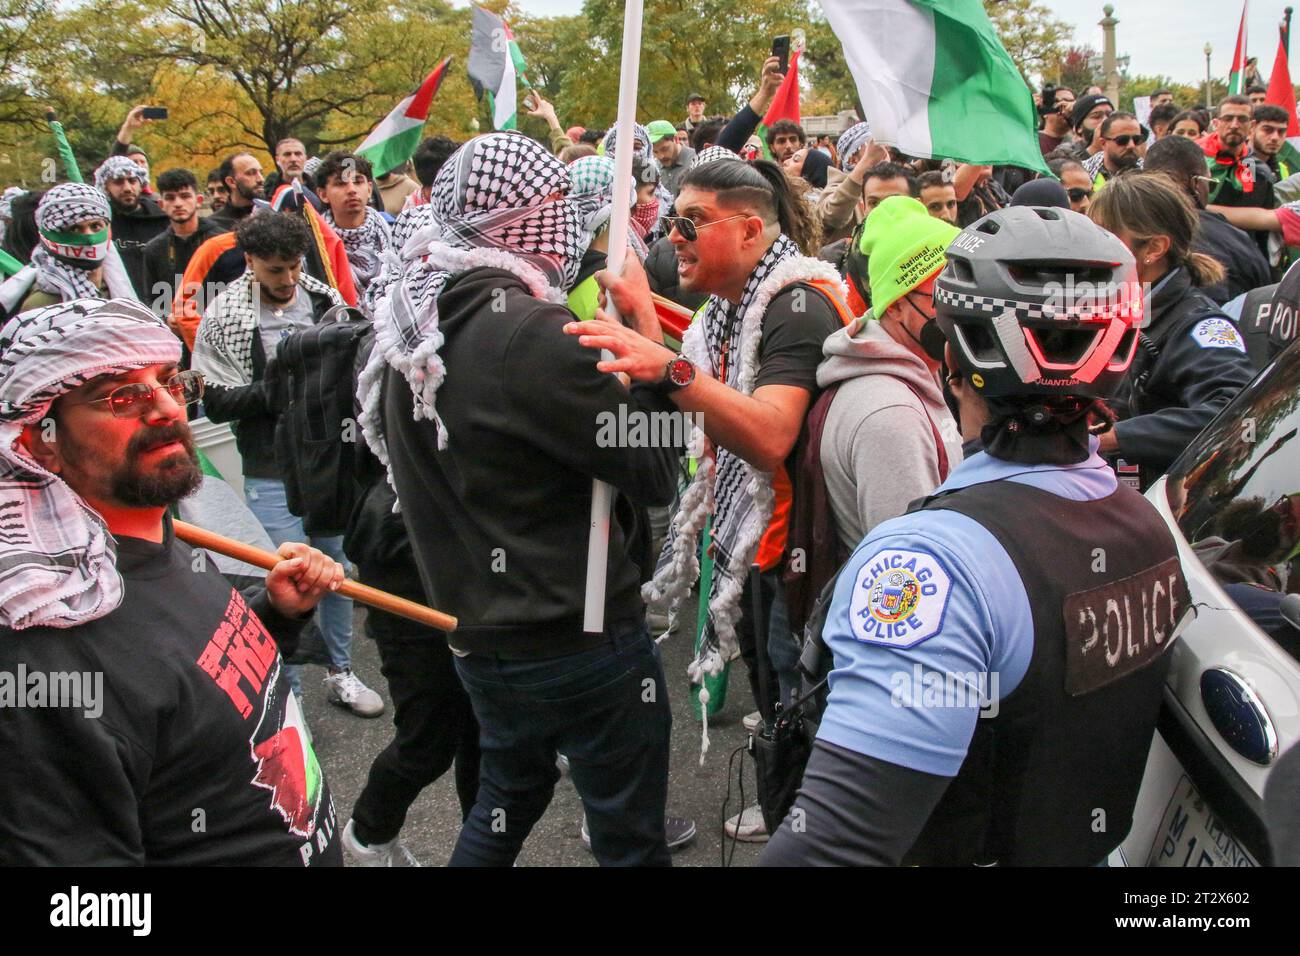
(904,246)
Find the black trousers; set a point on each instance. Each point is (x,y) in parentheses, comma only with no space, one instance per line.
(435,727)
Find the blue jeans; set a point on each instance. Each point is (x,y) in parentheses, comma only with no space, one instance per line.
(606,709)
(266,499)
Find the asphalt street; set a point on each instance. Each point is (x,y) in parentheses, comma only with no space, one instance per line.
(346,744)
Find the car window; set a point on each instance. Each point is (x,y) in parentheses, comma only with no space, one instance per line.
(1235,493)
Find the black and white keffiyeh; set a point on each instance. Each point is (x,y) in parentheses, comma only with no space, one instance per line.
(60,209)
(223,345)
(500,201)
(850,141)
(711,154)
(118,167)
(739,497)
(365,245)
(57,558)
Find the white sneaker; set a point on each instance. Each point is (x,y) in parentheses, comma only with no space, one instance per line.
(752,721)
(747,826)
(392,853)
(346,690)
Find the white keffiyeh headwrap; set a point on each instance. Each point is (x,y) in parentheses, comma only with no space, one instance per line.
(494,204)
(118,167)
(850,141)
(57,558)
(739,496)
(63,207)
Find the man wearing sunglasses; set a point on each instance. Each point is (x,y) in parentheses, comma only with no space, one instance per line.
(1120,135)
(749,368)
(165,731)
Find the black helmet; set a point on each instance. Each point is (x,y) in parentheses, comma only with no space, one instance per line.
(1039,301)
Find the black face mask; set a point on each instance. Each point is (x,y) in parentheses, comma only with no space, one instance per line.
(932,339)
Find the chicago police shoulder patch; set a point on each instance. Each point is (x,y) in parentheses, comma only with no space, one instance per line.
(899,598)
(1218,333)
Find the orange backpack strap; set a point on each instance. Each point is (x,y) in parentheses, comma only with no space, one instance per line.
(832,294)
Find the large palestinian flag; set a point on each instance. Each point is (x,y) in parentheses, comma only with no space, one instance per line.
(936,82)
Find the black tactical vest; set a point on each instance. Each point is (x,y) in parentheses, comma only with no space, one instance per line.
(1053,777)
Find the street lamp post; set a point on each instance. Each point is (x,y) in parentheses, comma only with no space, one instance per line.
(1107,25)
(1208,51)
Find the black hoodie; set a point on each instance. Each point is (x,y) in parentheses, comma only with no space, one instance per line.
(499,519)
(132,228)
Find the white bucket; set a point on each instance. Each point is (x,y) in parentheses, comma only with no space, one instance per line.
(217,441)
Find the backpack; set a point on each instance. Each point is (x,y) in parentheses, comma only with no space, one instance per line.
(812,522)
(317,436)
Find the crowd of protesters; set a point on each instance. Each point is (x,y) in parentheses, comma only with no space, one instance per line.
(475,279)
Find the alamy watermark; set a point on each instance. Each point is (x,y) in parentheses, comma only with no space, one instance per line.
(928,689)
(641,429)
(78,690)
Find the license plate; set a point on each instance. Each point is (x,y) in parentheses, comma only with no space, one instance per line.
(1191,835)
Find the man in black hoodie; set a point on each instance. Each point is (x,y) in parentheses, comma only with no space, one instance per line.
(137,218)
(512,422)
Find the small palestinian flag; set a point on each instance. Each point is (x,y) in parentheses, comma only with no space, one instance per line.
(494,63)
(393,141)
(1282,93)
(1237,77)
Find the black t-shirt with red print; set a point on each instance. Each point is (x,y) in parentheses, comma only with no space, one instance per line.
(164,733)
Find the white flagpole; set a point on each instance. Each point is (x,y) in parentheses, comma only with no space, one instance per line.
(602,495)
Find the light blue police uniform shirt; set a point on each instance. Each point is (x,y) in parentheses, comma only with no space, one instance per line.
(927,608)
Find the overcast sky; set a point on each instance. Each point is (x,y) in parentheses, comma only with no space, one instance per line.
(1159,36)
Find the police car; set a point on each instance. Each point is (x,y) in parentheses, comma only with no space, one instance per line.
(1232,701)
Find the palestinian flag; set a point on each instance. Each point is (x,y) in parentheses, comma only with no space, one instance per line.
(1282,93)
(936,81)
(1237,77)
(393,141)
(785,105)
(494,63)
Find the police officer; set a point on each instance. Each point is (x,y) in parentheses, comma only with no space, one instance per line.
(1191,359)
(988,703)
(1270,317)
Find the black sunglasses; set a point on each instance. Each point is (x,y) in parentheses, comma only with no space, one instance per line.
(1078,194)
(689,228)
(127,400)
(1126,139)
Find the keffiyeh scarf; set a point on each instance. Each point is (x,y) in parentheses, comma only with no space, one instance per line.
(491,206)
(57,558)
(365,245)
(711,154)
(739,497)
(223,346)
(63,207)
(118,167)
(850,141)
(593,180)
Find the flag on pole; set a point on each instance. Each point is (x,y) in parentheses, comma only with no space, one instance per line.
(1282,93)
(1237,78)
(393,141)
(935,81)
(494,63)
(785,104)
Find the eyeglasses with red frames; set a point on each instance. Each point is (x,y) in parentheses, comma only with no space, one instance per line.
(126,401)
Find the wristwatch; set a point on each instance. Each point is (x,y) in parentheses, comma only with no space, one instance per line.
(678,373)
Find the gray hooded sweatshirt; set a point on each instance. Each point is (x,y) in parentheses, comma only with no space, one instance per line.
(878,450)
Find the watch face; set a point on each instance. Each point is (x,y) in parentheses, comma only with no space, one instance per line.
(681,371)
